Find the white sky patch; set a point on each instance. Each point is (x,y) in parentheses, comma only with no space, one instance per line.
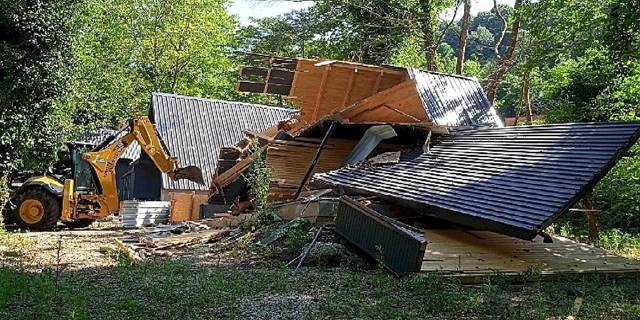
(476,7)
(246,9)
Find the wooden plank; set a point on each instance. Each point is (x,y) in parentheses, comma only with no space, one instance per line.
(471,254)
(347,92)
(266,85)
(376,86)
(323,83)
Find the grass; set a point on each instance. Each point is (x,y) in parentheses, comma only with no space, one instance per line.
(177,290)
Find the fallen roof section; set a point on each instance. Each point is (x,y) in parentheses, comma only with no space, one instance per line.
(515,181)
(361,93)
(194,130)
(451,100)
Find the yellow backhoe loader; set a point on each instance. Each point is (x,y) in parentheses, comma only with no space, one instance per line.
(43,200)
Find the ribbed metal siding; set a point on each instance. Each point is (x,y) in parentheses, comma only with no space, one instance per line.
(451,100)
(94,139)
(515,180)
(400,248)
(194,130)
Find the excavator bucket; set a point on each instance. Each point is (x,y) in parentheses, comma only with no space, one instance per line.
(191,173)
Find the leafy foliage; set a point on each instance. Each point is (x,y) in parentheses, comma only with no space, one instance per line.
(125,49)
(258,180)
(4,197)
(33,47)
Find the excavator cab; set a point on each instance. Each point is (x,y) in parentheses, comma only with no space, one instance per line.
(92,194)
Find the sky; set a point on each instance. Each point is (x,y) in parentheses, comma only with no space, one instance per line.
(247,9)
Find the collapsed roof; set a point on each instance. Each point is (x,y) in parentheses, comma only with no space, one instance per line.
(360,93)
(514,180)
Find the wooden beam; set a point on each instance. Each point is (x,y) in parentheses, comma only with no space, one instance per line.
(347,93)
(376,86)
(315,159)
(359,66)
(266,81)
(592,219)
(402,113)
(323,83)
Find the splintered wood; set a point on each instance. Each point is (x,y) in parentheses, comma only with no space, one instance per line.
(470,255)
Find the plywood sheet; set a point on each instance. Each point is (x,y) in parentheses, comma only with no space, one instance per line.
(289,162)
(181,206)
(320,89)
(472,254)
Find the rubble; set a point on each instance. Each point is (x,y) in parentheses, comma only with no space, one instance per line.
(412,168)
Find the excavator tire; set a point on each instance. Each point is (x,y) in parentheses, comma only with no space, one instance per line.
(37,209)
(78,224)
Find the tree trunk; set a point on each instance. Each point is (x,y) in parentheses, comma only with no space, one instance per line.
(429,44)
(526,98)
(464,33)
(503,63)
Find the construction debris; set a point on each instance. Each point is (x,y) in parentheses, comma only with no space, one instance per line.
(398,246)
(413,168)
(472,177)
(136,214)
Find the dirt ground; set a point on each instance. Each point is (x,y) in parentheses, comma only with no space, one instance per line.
(72,249)
(96,247)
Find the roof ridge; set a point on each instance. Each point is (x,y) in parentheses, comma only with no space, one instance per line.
(445,74)
(173,95)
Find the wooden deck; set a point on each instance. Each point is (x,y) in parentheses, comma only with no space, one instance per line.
(473,255)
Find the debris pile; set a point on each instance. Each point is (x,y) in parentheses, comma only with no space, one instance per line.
(397,162)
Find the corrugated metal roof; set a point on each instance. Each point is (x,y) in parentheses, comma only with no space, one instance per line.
(452,100)
(93,139)
(194,130)
(514,180)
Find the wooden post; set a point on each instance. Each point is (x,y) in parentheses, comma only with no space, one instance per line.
(592,219)
(323,82)
(315,159)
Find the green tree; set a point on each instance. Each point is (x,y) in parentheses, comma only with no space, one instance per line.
(125,49)
(33,46)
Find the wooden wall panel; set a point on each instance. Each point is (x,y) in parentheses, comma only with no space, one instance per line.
(288,163)
(345,84)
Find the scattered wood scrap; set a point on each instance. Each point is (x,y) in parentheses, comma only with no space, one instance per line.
(127,251)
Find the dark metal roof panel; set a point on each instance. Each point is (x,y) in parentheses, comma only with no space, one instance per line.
(514,180)
(194,130)
(451,100)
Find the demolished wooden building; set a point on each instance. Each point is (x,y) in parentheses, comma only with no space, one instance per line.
(448,160)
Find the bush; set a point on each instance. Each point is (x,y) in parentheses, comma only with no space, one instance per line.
(4,197)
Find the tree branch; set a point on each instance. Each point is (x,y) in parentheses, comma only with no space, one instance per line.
(503,30)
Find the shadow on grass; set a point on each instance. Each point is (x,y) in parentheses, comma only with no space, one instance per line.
(179,290)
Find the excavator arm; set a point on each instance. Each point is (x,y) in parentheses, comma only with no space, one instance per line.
(103,163)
